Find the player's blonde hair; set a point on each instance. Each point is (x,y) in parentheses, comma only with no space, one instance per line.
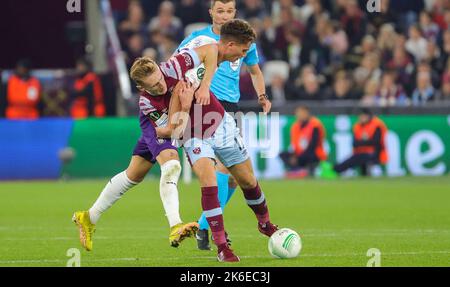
(141,69)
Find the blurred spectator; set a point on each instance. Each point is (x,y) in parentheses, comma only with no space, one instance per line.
(87,94)
(354,22)
(369,137)
(445,46)
(386,15)
(338,43)
(251,9)
(276,73)
(338,9)
(342,88)
(445,90)
(416,44)
(279,5)
(294,48)
(439,11)
(134,22)
(408,12)
(354,57)
(276,90)
(404,39)
(190,11)
(331,47)
(310,89)
(120,9)
(429,28)
(424,91)
(23,93)
(150,53)
(317,11)
(424,66)
(266,38)
(261,45)
(370,93)
(387,40)
(390,93)
(368,69)
(307,142)
(368,44)
(166,22)
(403,66)
(288,27)
(322,43)
(305,11)
(150,7)
(164,44)
(134,48)
(433,57)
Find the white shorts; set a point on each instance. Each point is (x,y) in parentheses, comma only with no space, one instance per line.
(226,143)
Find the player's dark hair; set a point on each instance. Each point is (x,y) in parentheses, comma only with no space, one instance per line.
(237,30)
(24,63)
(366,111)
(85,62)
(213,2)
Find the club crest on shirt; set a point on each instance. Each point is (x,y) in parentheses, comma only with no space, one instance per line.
(235,65)
(197,150)
(200,73)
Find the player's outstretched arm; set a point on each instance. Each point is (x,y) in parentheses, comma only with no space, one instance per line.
(260,87)
(208,55)
(178,114)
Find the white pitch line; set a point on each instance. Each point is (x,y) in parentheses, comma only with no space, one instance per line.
(213,257)
(303,235)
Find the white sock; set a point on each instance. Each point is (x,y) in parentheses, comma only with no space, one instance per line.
(170,173)
(112,192)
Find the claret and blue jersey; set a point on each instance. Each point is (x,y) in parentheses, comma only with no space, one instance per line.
(225,84)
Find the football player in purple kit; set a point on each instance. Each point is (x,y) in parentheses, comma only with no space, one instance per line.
(155,97)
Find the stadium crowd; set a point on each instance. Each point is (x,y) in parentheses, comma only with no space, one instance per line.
(316,49)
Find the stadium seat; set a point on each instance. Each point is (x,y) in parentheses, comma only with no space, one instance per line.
(193,27)
(272,68)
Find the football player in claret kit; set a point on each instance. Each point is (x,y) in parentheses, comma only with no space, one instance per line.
(154,101)
(220,137)
(225,87)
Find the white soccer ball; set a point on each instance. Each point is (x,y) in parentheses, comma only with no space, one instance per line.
(285,243)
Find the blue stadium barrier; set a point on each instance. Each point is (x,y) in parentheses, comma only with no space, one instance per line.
(29,149)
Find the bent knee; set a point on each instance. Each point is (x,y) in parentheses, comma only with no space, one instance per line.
(135,176)
(232,183)
(171,170)
(247,183)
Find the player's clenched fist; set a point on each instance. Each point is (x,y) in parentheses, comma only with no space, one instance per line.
(202,95)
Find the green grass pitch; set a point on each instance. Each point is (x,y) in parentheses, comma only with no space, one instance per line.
(407,219)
